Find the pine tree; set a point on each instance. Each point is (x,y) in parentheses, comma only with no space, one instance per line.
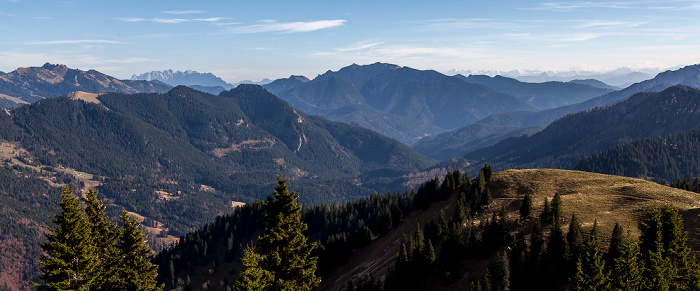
(253,277)
(589,267)
(658,269)
(574,238)
(616,243)
(627,268)
(487,171)
(486,198)
(104,236)
(526,209)
(501,272)
(546,215)
(285,251)
(70,261)
(557,211)
(134,270)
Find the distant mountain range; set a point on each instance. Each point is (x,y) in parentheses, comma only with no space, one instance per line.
(28,85)
(670,157)
(400,102)
(545,95)
(689,76)
(187,78)
(620,77)
(473,136)
(567,140)
(192,138)
(205,82)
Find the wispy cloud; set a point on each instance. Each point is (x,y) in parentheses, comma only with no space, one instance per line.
(474,23)
(131,19)
(557,37)
(74,41)
(610,24)
(401,52)
(570,6)
(170,20)
(178,12)
(286,27)
(210,19)
(360,46)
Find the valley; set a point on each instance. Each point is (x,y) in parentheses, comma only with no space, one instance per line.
(191,166)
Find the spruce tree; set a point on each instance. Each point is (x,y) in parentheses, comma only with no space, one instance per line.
(285,251)
(526,209)
(657,269)
(70,261)
(557,210)
(627,268)
(253,277)
(589,267)
(486,198)
(546,215)
(134,270)
(501,272)
(104,236)
(574,238)
(616,243)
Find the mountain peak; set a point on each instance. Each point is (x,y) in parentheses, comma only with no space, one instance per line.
(51,67)
(187,78)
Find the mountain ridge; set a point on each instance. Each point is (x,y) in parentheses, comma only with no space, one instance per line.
(430,98)
(688,75)
(564,141)
(30,84)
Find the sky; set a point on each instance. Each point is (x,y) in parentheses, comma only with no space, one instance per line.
(252,40)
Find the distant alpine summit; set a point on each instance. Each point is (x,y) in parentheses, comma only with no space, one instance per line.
(30,84)
(205,82)
(187,78)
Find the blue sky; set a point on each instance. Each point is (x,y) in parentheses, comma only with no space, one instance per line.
(240,40)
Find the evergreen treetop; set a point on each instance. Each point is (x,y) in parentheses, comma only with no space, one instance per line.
(71,261)
(285,251)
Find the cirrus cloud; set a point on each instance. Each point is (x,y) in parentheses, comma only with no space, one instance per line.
(170,20)
(74,41)
(177,12)
(287,27)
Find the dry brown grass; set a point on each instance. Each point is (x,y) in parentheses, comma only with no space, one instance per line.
(605,198)
(85,96)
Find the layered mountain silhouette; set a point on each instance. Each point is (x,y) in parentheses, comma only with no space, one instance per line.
(541,95)
(235,143)
(27,85)
(689,76)
(574,136)
(668,157)
(205,82)
(435,101)
(473,136)
(187,78)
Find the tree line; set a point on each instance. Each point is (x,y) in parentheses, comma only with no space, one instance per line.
(87,251)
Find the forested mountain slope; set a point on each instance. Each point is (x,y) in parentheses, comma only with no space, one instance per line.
(688,76)
(433,101)
(360,243)
(473,136)
(177,160)
(671,157)
(572,137)
(27,85)
(545,95)
(182,157)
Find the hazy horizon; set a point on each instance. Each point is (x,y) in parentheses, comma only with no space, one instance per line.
(270,39)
